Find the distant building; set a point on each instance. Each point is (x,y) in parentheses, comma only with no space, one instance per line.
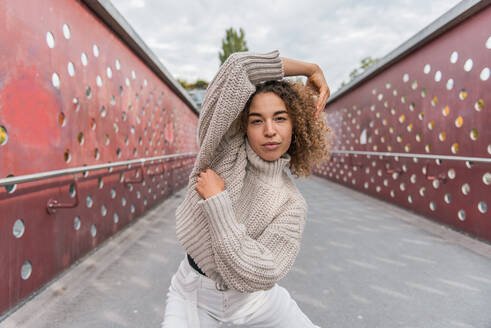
(198,95)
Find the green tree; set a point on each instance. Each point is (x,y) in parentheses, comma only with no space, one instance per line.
(365,63)
(199,84)
(232,42)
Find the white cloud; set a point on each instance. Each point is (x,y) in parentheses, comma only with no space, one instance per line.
(336,35)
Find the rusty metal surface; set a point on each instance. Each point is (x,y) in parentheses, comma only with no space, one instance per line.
(73,94)
(412,107)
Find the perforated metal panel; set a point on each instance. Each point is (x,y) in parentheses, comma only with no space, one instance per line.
(435,101)
(73,94)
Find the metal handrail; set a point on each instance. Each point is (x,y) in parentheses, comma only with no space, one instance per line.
(375,153)
(75,170)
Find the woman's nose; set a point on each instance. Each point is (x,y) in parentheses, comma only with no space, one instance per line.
(269,129)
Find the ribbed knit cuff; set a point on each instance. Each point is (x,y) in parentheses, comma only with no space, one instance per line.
(262,67)
(222,216)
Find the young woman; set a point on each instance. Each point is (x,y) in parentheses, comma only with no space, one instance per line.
(242,219)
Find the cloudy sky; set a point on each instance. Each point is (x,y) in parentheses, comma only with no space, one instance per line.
(336,34)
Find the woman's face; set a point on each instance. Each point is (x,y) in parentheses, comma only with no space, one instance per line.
(269,128)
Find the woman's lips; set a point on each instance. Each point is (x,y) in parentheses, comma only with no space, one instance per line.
(271,146)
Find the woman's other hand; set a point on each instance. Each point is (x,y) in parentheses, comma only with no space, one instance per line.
(315,79)
(209,184)
(317,82)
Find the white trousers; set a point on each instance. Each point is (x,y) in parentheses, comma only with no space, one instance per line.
(193,301)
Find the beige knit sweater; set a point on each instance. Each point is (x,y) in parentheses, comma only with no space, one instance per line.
(248,235)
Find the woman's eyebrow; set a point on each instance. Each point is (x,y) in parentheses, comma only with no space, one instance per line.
(275,113)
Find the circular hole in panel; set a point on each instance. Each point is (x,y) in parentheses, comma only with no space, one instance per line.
(121,90)
(93,230)
(106,139)
(486,178)
(92,124)
(118,152)
(55,79)
(488,43)
(72,191)
(410,199)
(89,201)
(83,59)
(436,184)
(123,201)
(133,75)
(103,111)
(103,210)
(466,189)
(76,104)
(447,198)
(428,148)
(100,183)
(18,228)
(113,100)
(454,57)
(474,134)
(469,164)
(431,125)
(427,69)
(138,194)
(482,207)
(98,81)
(413,178)
(485,74)
(50,40)
(462,94)
(109,72)
(10,188)
(392,193)
(405,77)
(468,65)
(61,119)
(80,138)
(459,121)
(71,69)
(4,136)
(414,85)
(422,191)
(116,218)
(442,136)
(66,31)
(402,186)
(96,153)
(438,76)
(76,223)
(489,149)
(432,206)
(461,215)
(113,193)
(26,270)
(450,84)
(132,208)
(95,50)
(127,81)
(88,92)
(424,92)
(455,148)
(479,105)
(116,128)
(67,156)
(117,64)
(446,110)
(145,82)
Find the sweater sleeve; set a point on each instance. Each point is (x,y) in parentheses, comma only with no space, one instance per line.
(248,264)
(228,93)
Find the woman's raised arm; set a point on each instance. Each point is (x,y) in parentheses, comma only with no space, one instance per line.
(315,79)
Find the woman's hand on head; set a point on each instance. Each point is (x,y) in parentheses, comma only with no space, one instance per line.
(317,82)
(315,79)
(209,184)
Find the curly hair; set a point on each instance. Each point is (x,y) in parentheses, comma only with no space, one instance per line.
(311,139)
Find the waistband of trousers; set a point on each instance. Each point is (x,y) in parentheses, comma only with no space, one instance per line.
(204,281)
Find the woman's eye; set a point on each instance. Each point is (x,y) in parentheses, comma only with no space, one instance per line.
(256,121)
(281,118)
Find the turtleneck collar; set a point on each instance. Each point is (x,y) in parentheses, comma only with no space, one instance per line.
(270,172)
